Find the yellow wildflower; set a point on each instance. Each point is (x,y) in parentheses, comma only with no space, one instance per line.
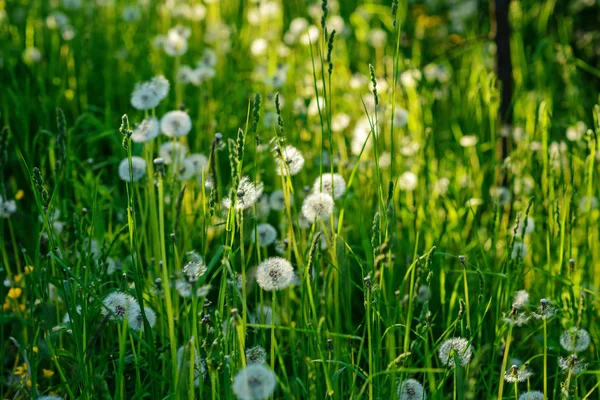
(15,293)
(47,373)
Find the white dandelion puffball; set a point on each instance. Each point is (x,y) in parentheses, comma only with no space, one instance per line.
(176,124)
(408,181)
(200,161)
(501,195)
(521,227)
(194,270)
(317,205)
(256,355)
(144,96)
(247,194)
(172,152)
(455,347)
(277,200)
(572,364)
(117,305)
(186,170)
(519,250)
(136,319)
(138,167)
(339,122)
(400,117)
(411,389)
(175,44)
(263,315)
(254,382)
(575,340)
(332,184)
(7,207)
(161,86)
(183,361)
(274,273)
(289,161)
(148,95)
(521,299)
(146,130)
(534,395)
(267,235)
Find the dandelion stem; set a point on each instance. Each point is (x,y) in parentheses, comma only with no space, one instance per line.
(504,362)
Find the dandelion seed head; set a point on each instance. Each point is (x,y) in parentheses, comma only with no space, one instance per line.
(194,270)
(521,229)
(256,355)
(147,95)
(247,194)
(119,304)
(572,364)
(408,181)
(175,43)
(136,319)
(274,273)
(176,124)
(575,340)
(501,195)
(146,130)
(534,395)
(266,233)
(317,206)
(289,160)
(277,200)
(544,310)
(458,347)
(423,293)
(411,389)
(7,207)
(254,382)
(516,318)
(173,152)
(516,374)
(468,141)
(183,361)
(186,170)
(138,166)
(521,299)
(400,117)
(332,184)
(199,161)
(519,250)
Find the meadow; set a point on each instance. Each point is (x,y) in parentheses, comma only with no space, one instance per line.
(273,199)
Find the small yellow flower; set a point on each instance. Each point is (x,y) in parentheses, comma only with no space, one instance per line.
(47,373)
(22,307)
(18,278)
(28,269)
(35,349)
(6,307)
(14,293)
(21,370)
(20,194)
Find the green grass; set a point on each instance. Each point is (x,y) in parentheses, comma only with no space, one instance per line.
(421,247)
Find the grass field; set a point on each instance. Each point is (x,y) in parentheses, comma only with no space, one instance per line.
(243,199)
